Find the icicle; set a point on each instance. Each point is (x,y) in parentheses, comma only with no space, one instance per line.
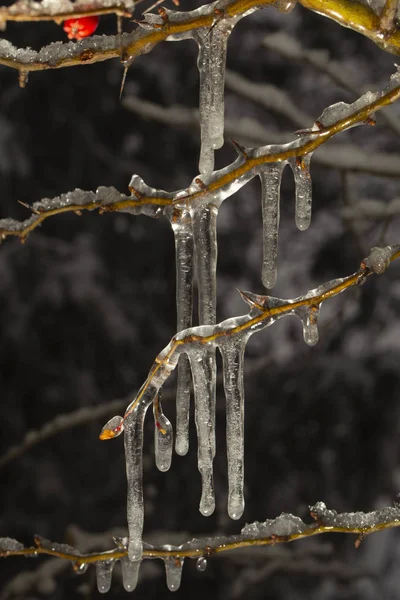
(232,351)
(202,362)
(211,64)
(270,177)
(173,572)
(302,179)
(130,573)
(104,570)
(182,227)
(163,438)
(201,563)
(310,325)
(133,428)
(205,244)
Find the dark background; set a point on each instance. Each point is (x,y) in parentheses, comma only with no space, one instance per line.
(88,302)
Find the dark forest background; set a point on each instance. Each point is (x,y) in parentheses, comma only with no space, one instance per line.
(88,302)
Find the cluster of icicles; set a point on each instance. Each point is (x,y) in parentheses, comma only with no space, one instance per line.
(193,216)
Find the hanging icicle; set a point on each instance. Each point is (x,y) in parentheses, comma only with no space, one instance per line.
(104,569)
(133,429)
(173,572)
(202,362)
(302,180)
(181,223)
(130,573)
(163,437)
(232,351)
(270,177)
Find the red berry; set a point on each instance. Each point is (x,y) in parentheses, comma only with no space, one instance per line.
(79,28)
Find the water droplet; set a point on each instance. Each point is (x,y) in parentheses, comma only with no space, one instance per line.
(201,564)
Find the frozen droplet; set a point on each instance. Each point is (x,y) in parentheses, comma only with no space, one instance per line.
(130,573)
(201,563)
(310,326)
(378,259)
(81,568)
(113,428)
(104,570)
(173,572)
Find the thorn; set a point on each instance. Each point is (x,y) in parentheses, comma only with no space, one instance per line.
(200,183)
(23,78)
(78,213)
(36,212)
(251,299)
(239,148)
(176,2)
(219,14)
(370,121)
(123,81)
(136,193)
(163,13)
(359,540)
(152,6)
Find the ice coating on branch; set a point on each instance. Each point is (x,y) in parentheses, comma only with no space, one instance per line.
(232,350)
(130,573)
(378,259)
(104,569)
(181,223)
(113,428)
(270,177)
(173,572)
(302,180)
(285,525)
(8,544)
(202,363)
(163,438)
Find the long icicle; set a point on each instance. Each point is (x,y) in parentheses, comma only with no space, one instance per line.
(183,233)
(211,64)
(270,177)
(232,351)
(202,362)
(205,252)
(133,438)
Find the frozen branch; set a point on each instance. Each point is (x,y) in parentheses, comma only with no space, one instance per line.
(356,15)
(154,203)
(283,529)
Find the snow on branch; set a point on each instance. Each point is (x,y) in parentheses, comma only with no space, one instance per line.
(282,529)
(174,25)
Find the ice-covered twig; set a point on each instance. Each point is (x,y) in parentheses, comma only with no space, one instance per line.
(343,156)
(359,17)
(283,529)
(264,311)
(221,183)
(290,48)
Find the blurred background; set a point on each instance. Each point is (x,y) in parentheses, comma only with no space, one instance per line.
(88,302)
